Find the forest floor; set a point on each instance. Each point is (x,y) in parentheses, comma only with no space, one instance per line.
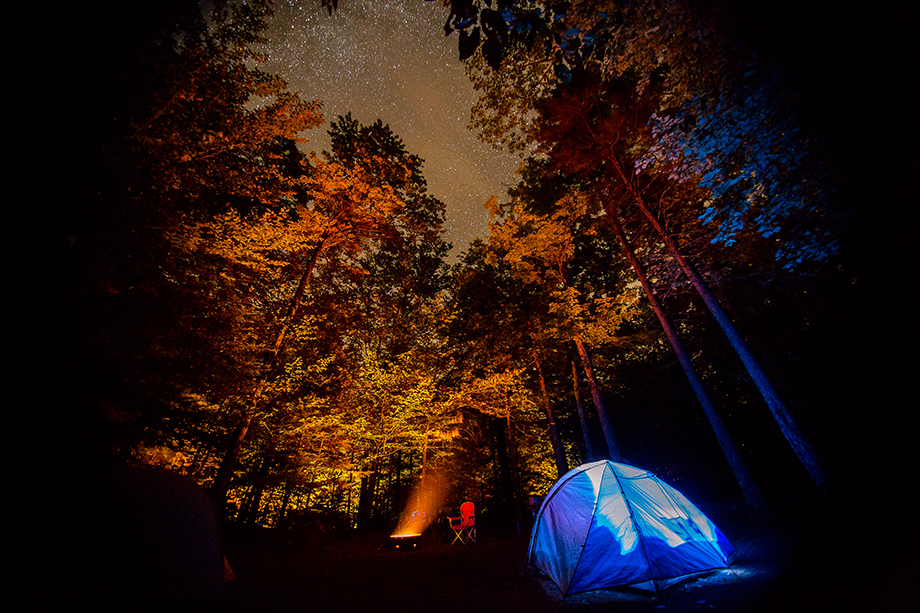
(779,565)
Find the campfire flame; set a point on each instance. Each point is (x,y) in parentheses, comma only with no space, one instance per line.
(422,507)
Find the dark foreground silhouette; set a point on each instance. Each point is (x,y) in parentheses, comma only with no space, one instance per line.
(146,539)
(777,567)
(153,543)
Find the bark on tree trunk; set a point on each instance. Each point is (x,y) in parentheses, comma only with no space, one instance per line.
(285,500)
(366,501)
(301,290)
(562,466)
(613,450)
(506,479)
(787,424)
(221,483)
(589,453)
(748,487)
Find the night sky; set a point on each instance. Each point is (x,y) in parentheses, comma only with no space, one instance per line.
(390,60)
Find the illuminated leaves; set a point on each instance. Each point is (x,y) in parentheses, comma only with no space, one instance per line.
(541,249)
(397,406)
(356,208)
(502,394)
(503,114)
(597,320)
(354,202)
(343,209)
(538,248)
(719,123)
(204,121)
(760,172)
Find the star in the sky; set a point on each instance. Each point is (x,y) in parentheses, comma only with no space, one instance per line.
(390,60)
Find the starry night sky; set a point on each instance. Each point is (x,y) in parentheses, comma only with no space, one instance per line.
(390,60)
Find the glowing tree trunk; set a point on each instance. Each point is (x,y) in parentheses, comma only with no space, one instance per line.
(589,452)
(562,466)
(221,482)
(749,489)
(613,450)
(787,424)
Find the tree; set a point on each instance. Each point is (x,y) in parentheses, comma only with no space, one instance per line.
(540,249)
(404,273)
(203,122)
(185,126)
(393,408)
(395,298)
(503,115)
(580,127)
(491,370)
(759,169)
(342,285)
(573,207)
(504,400)
(746,483)
(344,207)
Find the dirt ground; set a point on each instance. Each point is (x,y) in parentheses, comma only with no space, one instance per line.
(776,567)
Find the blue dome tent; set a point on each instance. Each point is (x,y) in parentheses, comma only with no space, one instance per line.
(606,524)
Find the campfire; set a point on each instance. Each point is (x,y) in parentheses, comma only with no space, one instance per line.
(405,541)
(421,509)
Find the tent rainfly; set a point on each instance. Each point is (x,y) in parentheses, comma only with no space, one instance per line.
(605,524)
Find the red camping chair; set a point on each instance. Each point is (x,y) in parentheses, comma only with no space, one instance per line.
(464,527)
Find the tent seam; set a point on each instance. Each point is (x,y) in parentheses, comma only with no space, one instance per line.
(533,537)
(632,517)
(588,532)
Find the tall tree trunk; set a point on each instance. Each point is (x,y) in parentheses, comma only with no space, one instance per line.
(285,500)
(254,503)
(613,450)
(221,483)
(562,466)
(515,476)
(589,453)
(301,290)
(505,485)
(787,424)
(366,501)
(748,487)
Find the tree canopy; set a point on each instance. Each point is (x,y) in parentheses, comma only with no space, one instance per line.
(286,329)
